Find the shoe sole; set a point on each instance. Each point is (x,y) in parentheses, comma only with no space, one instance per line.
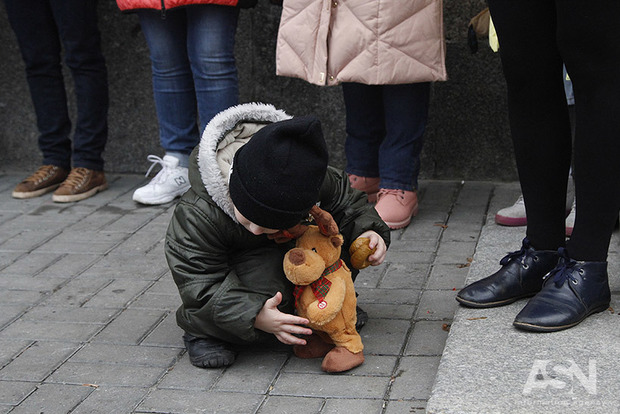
(511,221)
(81,196)
(404,223)
(480,305)
(156,201)
(37,193)
(539,328)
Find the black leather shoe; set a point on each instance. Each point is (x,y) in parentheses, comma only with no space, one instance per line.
(521,276)
(362,318)
(571,292)
(208,352)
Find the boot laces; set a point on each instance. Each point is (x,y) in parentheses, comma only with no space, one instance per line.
(165,169)
(564,270)
(519,254)
(41,174)
(76,177)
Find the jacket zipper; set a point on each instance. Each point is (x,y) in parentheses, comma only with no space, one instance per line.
(163,10)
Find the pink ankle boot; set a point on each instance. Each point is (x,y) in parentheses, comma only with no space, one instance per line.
(396,207)
(369,185)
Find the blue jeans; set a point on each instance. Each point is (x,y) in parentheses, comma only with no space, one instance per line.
(385,130)
(40,26)
(193,65)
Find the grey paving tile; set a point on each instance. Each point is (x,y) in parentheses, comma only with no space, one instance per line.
(384,336)
(185,376)
(13,392)
(16,281)
(388,296)
(297,405)
(125,355)
(117,294)
(428,338)
(9,349)
(344,406)
(149,301)
(405,276)
(111,400)
(46,331)
(70,265)
(54,398)
(69,314)
(31,264)
(9,312)
(28,241)
(17,297)
(414,378)
(167,333)
(128,266)
(334,386)
(386,311)
(448,276)
(187,401)
(130,327)
(119,375)
(37,361)
(458,253)
(371,276)
(6,258)
(425,229)
(406,407)
(437,305)
(252,372)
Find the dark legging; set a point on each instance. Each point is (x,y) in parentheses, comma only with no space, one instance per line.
(535,37)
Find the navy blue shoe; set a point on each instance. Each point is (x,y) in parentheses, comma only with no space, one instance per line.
(521,276)
(571,292)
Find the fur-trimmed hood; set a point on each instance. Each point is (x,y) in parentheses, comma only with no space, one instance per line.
(223,136)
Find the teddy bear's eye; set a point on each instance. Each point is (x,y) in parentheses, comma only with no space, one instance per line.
(314,249)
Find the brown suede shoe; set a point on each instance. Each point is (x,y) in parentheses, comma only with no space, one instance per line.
(80,184)
(47,178)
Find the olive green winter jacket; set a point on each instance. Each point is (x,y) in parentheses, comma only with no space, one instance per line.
(223,272)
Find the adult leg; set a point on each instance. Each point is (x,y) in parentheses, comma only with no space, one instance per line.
(406,112)
(37,37)
(590,45)
(173,86)
(538,113)
(77,24)
(210,48)
(365,128)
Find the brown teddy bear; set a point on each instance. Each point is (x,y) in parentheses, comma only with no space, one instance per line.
(324,295)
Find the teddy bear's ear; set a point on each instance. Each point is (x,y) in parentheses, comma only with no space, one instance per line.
(336,241)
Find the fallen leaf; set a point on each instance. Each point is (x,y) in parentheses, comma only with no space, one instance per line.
(478,318)
(90,385)
(445,327)
(443,226)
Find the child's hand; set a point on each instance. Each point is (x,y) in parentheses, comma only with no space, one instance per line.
(281,324)
(377,241)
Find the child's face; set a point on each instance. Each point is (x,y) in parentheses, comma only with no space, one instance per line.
(251,227)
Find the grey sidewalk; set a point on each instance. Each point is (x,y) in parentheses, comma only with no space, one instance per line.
(87,313)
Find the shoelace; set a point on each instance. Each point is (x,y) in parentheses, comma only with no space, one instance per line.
(564,270)
(396,192)
(165,168)
(524,252)
(41,174)
(519,200)
(76,177)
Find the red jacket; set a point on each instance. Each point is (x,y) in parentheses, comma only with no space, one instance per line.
(127,5)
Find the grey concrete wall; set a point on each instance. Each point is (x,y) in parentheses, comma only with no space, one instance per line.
(467,136)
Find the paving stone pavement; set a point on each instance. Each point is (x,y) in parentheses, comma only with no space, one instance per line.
(87,313)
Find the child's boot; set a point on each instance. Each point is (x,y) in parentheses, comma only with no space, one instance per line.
(396,207)
(369,185)
(208,352)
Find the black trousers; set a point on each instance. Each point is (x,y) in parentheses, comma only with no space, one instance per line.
(536,37)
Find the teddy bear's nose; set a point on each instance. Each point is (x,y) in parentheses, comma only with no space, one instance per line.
(297,256)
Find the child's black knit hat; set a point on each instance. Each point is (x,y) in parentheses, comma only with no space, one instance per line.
(277,175)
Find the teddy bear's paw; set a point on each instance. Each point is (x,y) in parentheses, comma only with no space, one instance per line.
(340,359)
(315,347)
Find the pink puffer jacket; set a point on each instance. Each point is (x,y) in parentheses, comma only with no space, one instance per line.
(374,42)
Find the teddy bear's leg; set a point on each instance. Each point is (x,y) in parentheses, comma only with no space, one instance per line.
(341,359)
(316,347)
(343,333)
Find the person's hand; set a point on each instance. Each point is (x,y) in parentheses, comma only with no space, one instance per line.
(281,324)
(377,241)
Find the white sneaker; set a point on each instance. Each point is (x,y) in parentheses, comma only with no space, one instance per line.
(515,214)
(570,219)
(171,182)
